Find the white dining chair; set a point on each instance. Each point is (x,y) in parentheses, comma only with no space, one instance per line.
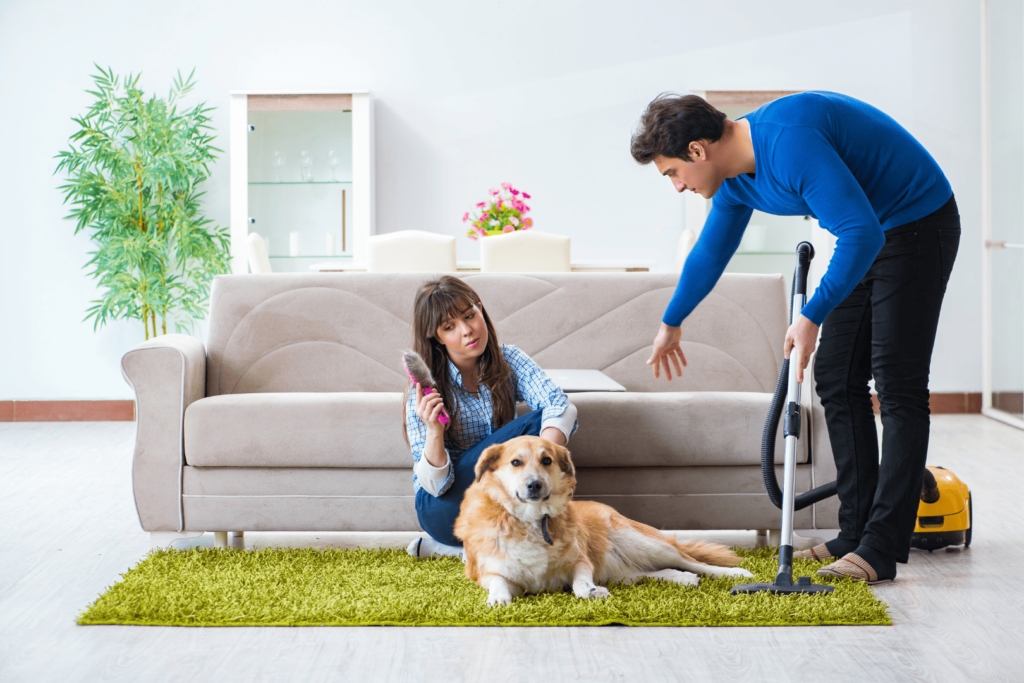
(525,251)
(411,251)
(259,260)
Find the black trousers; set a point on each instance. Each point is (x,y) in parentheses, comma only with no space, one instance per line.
(886,329)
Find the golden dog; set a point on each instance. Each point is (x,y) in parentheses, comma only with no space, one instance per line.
(523,533)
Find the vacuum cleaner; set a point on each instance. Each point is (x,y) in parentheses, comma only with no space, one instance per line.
(946,513)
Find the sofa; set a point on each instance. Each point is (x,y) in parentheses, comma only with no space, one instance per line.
(290,417)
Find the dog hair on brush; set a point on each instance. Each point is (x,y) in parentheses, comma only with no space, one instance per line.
(419,373)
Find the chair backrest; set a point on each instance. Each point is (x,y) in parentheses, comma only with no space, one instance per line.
(411,251)
(346,331)
(259,260)
(686,242)
(525,251)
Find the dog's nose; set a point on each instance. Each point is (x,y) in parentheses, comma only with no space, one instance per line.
(533,488)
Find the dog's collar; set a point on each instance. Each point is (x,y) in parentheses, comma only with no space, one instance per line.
(544,530)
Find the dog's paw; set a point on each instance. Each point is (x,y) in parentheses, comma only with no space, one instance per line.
(499,595)
(683,578)
(499,600)
(588,591)
(736,571)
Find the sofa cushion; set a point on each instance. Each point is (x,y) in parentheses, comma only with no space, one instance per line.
(675,429)
(364,430)
(297,430)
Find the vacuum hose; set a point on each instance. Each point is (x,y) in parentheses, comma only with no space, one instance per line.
(805,252)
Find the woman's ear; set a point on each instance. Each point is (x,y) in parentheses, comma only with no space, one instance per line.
(488,459)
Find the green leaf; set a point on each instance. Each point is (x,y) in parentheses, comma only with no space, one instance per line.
(132,168)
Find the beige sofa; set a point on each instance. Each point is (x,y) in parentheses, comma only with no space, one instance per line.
(290,418)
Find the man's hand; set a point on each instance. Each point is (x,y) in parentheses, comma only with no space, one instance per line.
(667,352)
(801,338)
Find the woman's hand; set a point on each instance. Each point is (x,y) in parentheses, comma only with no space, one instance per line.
(801,338)
(666,349)
(428,408)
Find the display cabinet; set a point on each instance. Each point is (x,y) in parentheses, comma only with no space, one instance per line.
(301,176)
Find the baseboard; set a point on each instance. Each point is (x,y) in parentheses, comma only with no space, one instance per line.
(67,411)
(124,411)
(949,403)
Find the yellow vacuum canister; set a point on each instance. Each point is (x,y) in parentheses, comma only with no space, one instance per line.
(945,516)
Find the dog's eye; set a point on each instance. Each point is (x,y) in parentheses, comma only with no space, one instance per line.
(545,461)
(517,462)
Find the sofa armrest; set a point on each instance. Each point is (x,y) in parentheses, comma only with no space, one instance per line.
(823,464)
(167,373)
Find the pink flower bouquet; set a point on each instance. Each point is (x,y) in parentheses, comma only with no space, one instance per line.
(504,212)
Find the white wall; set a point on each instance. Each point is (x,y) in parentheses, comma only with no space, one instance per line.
(469,94)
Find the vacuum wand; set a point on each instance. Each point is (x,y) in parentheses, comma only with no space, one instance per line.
(784,577)
(791,430)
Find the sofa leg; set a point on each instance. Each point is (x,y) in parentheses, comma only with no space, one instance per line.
(774,536)
(222,539)
(238,534)
(163,539)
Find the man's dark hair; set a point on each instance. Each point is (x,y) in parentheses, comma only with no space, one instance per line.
(670,123)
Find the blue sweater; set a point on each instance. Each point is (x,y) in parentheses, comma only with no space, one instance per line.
(824,155)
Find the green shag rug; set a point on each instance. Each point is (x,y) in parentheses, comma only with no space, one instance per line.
(363,587)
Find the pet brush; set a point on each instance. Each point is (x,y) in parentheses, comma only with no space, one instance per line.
(419,373)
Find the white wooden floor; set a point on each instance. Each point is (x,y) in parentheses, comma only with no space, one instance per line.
(68,528)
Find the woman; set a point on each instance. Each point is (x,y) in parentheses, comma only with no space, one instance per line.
(479,382)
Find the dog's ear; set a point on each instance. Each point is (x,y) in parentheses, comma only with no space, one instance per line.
(488,459)
(564,461)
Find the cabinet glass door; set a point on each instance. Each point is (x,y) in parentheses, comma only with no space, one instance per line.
(1003,259)
(300,181)
(1007,336)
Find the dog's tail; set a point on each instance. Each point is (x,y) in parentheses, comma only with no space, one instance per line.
(708,553)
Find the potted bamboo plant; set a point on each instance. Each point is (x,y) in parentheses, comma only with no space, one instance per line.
(134,169)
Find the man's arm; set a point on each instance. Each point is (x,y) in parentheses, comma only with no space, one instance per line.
(820,176)
(718,241)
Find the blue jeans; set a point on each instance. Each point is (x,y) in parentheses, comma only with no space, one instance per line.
(437,514)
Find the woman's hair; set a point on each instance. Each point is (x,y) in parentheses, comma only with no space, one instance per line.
(670,123)
(449,297)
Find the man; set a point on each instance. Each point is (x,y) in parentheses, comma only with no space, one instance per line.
(873,186)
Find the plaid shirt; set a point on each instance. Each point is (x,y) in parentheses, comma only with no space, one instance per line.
(475,417)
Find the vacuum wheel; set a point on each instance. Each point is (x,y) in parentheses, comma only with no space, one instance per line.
(970,519)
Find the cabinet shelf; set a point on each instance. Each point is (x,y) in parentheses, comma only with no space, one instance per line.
(300,182)
(309,256)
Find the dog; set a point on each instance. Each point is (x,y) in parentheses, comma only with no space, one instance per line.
(523,533)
